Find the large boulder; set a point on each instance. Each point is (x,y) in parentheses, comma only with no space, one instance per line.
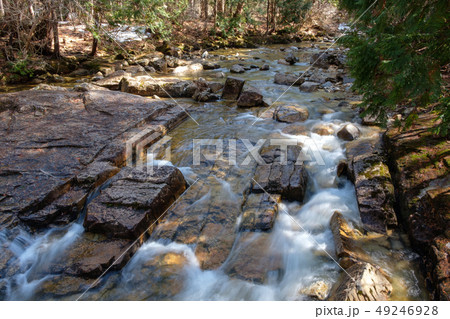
(288,79)
(233,88)
(291,113)
(250,97)
(133,200)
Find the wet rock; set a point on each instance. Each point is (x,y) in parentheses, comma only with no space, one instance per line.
(283,62)
(291,113)
(348,133)
(250,97)
(133,201)
(295,129)
(255,259)
(237,68)
(205,91)
(364,282)
(323,129)
(291,58)
(281,174)
(326,59)
(89,256)
(288,79)
(148,86)
(264,67)
(149,69)
(308,86)
(374,189)
(348,249)
(318,290)
(188,69)
(207,65)
(63,287)
(260,212)
(158,278)
(233,88)
(38,181)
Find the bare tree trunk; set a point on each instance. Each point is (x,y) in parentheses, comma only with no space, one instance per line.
(267,16)
(95,24)
(214,15)
(2,9)
(239,8)
(219,6)
(56,51)
(205,14)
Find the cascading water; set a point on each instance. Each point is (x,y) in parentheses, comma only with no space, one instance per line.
(301,238)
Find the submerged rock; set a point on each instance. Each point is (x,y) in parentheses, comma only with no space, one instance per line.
(288,79)
(255,259)
(291,113)
(259,212)
(237,68)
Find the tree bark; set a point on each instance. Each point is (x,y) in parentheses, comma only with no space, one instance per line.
(239,8)
(2,9)
(56,51)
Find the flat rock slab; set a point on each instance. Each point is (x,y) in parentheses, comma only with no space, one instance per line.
(291,113)
(368,168)
(259,212)
(56,143)
(134,200)
(281,176)
(254,259)
(149,86)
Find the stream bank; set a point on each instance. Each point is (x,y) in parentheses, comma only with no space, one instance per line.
(224,238)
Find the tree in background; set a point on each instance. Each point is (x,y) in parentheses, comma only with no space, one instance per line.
(398,51)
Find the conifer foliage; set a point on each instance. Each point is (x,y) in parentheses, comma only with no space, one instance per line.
(399,52)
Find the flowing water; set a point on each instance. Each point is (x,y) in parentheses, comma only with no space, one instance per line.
(301,240)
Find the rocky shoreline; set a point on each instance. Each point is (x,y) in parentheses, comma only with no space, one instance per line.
(63,156)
